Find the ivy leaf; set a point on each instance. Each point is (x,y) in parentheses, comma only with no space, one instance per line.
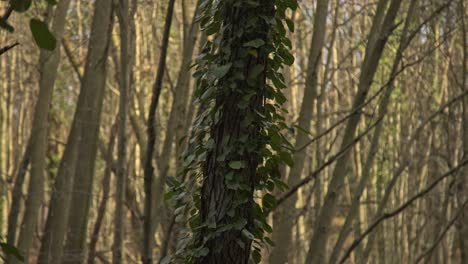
(21,5)
(221,71)
(256,70)
(256,43)
(269,201)
(11,250)
(290,24)
(287,57)
(286,157)
(43,37)
(291,4)
(246,233)
(269,241)
(169,195)
(235,164)
(204,251)
(256,256)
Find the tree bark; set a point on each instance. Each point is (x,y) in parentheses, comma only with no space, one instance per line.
(376,43)
(123,15)
(216,197)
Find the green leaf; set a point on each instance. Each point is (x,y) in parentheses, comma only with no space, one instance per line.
(256,70)
(235,164)
(221,71)
(292,4)
(269,201)
(169,195)
(256,256)
(246,233)
(287,57)
(269,241)
(290,24)
(256,43)
(287,158)
(21,5)
(204,251)
(11,250)
(43,37)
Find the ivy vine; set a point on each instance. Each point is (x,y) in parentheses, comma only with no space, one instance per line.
(220,70)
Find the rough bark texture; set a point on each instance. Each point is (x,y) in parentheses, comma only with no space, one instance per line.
(216,198)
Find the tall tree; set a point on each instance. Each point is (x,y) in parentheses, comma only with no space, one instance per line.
(285,218)
(123,15)
(49,64)
(87,111)
(88,118)
(377,39)
(463,181)
(147,251)
(241,124)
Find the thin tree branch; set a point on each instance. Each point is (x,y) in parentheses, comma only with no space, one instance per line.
(7,48)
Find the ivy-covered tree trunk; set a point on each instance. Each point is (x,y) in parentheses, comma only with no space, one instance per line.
(218,197)
(239,129)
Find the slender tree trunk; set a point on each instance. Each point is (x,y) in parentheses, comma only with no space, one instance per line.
(283,224)
(16,196)
(147,255)
(48,61)
(366,172)
(76,170)
(125,68)
(101,210)
(377,40)
(176,117)
(463,177)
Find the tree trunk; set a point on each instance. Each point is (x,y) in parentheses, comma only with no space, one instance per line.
(147,250)
(463,181)
(123,14)
(218,198)
(284,223)
(374,147)
(49,62)
(83,140)
(176,117)
(377,40)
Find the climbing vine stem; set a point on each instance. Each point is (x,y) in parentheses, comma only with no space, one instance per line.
(237,135)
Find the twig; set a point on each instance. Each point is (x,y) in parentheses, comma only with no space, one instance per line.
(6,48)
